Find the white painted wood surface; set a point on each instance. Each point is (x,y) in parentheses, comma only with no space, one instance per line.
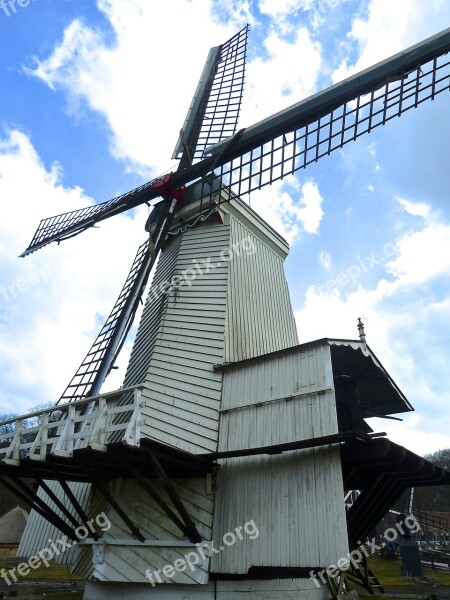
(259,313)
(277,589)
(39,532)
(183,392)
(129,562)
(237,310)
(294,499)
(185,332)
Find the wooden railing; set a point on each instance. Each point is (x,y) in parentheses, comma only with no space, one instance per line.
(61,429)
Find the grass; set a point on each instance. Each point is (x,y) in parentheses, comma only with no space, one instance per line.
(6,553)
(56,595)
(53,572)
(389,572)
(61,596)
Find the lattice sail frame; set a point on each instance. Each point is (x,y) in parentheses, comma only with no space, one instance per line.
(219,113)
(290,140)
(224,102)
(294,150)
(86,376)
(66,225)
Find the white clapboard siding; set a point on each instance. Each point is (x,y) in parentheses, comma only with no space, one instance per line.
(182,335)
(259,312)
(274,589)
(129,563)
(233,303)
(302,369)
(183,392)
(39,531)
(294,499)
(148,326)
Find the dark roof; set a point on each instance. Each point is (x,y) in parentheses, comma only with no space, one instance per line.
(381,470)
(378,393)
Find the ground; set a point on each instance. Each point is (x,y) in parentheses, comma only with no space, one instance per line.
(56,583)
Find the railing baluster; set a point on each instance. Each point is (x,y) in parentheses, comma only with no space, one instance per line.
(12,456)
(40,441)
(67,436)
(133,431)
(98,436)
(73,430)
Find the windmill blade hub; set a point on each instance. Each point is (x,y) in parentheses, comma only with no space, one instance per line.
(167,189)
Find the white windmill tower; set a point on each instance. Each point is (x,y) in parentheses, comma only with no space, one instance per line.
(219,468)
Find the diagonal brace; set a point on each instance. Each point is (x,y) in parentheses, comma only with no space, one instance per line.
(71,496)
(191,530)
(102,489)
(57,501)
(158,500)
(32,500)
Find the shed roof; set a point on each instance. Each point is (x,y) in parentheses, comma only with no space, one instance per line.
(12,525)
(379,394)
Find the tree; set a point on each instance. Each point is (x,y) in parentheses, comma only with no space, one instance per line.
(7,499)
(435,498)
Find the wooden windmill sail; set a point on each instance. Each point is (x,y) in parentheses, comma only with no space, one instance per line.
(225,426)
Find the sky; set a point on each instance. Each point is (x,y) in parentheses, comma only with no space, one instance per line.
(93,94)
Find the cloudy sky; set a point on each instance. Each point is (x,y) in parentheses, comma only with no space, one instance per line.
(93,95)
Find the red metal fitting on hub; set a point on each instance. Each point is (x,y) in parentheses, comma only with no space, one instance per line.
(167,189)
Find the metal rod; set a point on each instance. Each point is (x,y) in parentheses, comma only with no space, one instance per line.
(73,499)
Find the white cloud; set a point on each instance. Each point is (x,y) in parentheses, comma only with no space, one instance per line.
(325,259)
(275,8)
(290,208)
(310,212)
(403,325)
(413,433)
(317,13)
(143,102)
(417,209)
(288,82)
(53,302)
(422,256)
(391,27)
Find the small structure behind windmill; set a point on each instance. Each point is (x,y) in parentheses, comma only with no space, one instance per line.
(219,468)
(12,526)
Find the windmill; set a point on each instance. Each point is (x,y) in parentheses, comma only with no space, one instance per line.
(104,440)
(209,149)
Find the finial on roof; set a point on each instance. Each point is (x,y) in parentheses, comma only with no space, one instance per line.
(362,334)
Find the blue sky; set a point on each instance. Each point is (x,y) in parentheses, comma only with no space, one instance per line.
(93,95)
